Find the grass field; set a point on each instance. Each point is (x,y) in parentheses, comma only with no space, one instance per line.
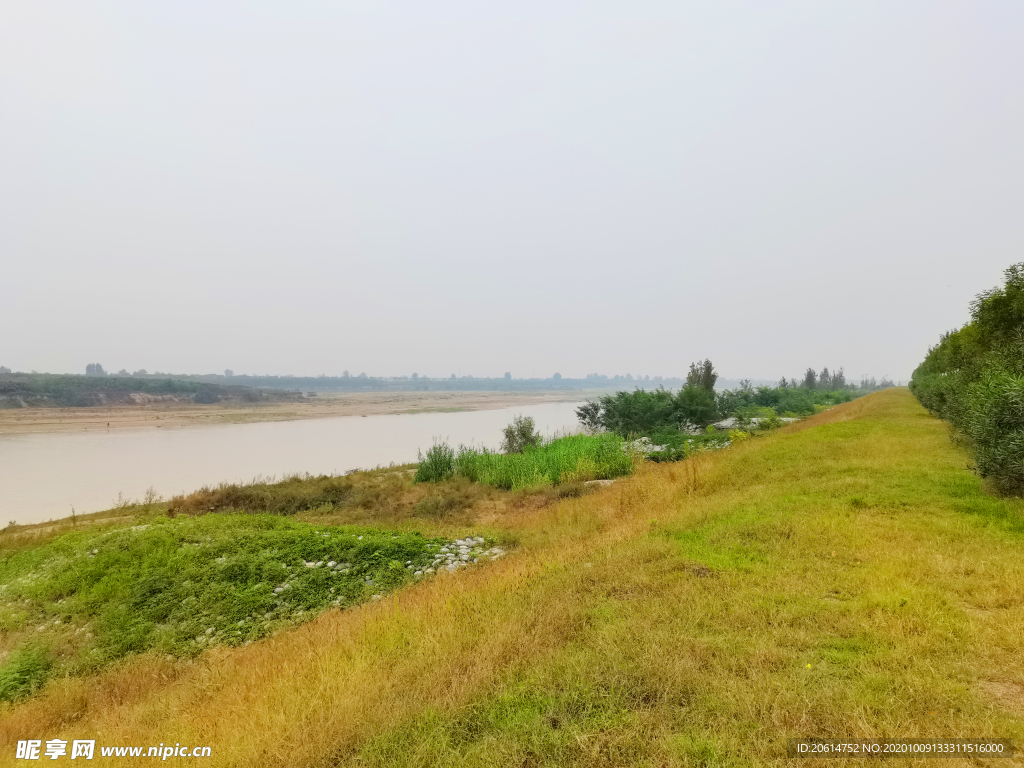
(844,576)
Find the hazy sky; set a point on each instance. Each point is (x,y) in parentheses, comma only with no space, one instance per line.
(475,187)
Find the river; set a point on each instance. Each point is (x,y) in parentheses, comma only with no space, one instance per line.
(43,476)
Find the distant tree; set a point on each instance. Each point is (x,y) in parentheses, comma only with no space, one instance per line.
(810,379)
(453,377)
(702,375)
(825,379)
(783,384)
(508,376)
(519,435)
(140,372)
(123,372)
(885,383)
(345,374)
(839,379)
(361,375)
(94,369)
(415,376)
(4,369)
(746,385)
(557,377)
(228,372)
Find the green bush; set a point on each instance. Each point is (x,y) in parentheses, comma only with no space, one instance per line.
(520,435)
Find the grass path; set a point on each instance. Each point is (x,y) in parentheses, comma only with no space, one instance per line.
(845,576)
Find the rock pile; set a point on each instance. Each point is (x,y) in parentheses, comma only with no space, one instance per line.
(460,553)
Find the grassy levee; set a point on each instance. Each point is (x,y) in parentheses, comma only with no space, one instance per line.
(845,576)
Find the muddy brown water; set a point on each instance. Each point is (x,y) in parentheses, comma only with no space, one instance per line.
(42,476)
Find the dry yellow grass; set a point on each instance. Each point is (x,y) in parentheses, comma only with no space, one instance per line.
(668,619)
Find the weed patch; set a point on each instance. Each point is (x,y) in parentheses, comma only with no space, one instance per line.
(181,585)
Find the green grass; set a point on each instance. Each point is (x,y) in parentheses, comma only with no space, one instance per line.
(181,585)
(850,579)
(571,459)
(24,672)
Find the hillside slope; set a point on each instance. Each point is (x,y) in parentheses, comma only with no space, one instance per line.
(844,576)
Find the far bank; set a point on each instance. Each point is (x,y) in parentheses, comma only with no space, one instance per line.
(24,421)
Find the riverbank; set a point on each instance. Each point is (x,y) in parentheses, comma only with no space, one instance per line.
(24,421)
(841,577)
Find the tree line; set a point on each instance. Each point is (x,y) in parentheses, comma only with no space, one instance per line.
(974,378)
(696,404)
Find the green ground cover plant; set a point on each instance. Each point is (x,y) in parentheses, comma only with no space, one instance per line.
(184,584)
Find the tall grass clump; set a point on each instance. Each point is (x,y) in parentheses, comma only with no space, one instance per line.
(24,672)
(570,459)
(437,465)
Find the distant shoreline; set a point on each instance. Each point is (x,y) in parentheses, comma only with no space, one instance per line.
(24,421)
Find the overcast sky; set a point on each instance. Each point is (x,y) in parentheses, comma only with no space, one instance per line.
(475,187)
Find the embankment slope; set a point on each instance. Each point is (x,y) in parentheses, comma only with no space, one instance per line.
(846,576)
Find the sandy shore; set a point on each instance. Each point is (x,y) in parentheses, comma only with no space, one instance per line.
(34,420)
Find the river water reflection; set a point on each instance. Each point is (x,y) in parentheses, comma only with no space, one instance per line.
(43,476)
